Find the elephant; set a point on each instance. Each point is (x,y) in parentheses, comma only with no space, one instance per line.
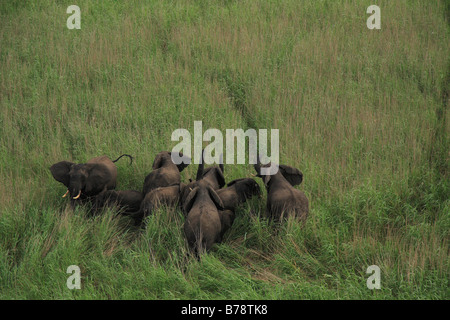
(163,196)
(282,198)
(124,200)
(165,172)
(212,176)
(87,179)
(203,226)
(238,191)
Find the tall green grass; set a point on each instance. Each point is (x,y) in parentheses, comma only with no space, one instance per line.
(362,113)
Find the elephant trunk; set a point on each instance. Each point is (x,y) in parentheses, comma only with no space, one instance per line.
(75,191)
(221,163)
(257,166)
(76,187)
(200,167)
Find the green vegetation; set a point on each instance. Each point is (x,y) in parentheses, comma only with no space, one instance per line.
(362,113)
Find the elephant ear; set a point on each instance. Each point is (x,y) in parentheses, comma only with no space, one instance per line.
(215,198)
(60,172)
(219,176)
(266,179)
(257,167)
(291,174)
(98,177)
(234,182)
(201,167)
(217,173)
(185,160)
(157,163)
(190,199)
(247,187)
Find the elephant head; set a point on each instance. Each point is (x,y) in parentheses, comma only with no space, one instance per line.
(166,170)
(282,198)
(291,174)
(238,191)
(245,187)
(206,193)
(213,175)
(89,179)
(166,158)
(86,179)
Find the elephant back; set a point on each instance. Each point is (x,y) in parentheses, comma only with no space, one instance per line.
(112,168)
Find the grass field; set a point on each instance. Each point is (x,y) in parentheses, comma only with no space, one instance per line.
(362,113)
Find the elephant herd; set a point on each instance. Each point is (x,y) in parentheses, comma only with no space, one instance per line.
(206,203)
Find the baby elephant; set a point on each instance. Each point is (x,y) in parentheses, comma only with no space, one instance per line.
(165,196)
(125,201)
(203,226)
(238,191)
(282,198)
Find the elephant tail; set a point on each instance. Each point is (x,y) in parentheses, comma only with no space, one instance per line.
(221,163)
(127,155)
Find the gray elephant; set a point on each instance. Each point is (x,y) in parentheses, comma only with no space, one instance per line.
(203,225)
(87,179)
(282,198)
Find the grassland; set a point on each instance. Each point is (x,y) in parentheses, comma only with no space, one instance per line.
(362,113)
